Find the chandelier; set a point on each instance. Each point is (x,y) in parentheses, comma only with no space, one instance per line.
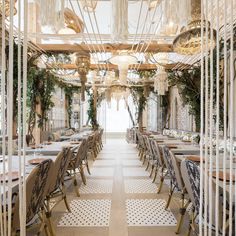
(89,5)
(189,41)
(170,20)
(118,91)
(82,62)
(7,8)
(120,31)
(161,82)
(123,60)
(52,13)
(72,22)
(153,4)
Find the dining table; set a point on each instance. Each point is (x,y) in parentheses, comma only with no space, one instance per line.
(50,148)
(33,157)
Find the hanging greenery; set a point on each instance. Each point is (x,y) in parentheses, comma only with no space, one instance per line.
(41,85)
(146,73)
(69,91)
(188,83)
(140,102)
(92,110)
(30,60)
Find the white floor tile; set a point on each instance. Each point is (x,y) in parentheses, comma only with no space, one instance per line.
(87,213)
(148,212)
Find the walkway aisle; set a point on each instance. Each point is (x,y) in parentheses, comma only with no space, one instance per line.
(118,200)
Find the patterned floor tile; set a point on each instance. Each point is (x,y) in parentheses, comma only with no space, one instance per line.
(90,213)
(140,186)
(96,186)
(135,172)
(148,212)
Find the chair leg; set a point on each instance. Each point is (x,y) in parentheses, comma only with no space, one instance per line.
(155,175)
(65,198)
(76,185)
(49,225)
(141,154)
(82,174)
(147,166)
(151,171)
(144,158)
(161,180)
(87,166)
(191,222)
(182,212)
(170,197)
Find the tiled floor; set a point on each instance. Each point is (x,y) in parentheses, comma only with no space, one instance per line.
(118,200)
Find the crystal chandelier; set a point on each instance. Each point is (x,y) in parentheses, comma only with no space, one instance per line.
(161,82)
(189,41)
(7,7)
(89,5)
(82,62)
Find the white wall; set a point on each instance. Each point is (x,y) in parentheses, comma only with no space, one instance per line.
(112,119)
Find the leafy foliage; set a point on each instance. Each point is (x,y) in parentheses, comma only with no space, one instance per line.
(69,91)
(140,102)
(92,110)
(41,85)
(188,83)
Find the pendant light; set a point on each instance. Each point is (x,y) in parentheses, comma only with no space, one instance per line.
(189,41)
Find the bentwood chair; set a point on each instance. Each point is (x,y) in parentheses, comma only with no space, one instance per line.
(141,146)
(100,144)
(76,164)
(145,148)
(92,145)
(151,156)
(178,183)
(191,176)
(159,164)
(162,165)
(57,188)
(37,186)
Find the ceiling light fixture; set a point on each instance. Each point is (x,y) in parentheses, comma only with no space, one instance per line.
(82,62)
(189,41)
(7,7)
(89,5)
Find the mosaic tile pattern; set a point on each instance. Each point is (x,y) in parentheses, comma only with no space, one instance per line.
(148,212)
(101,172)
(96,186)
(87,213)
(140,186)
(134,172)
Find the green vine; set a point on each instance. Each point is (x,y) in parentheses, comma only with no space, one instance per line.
(41,85)
(140,102)
(92,110)
(69,91)
(188,84)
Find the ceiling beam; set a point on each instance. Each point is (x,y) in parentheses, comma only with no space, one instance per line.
(115,67)
(107,47)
